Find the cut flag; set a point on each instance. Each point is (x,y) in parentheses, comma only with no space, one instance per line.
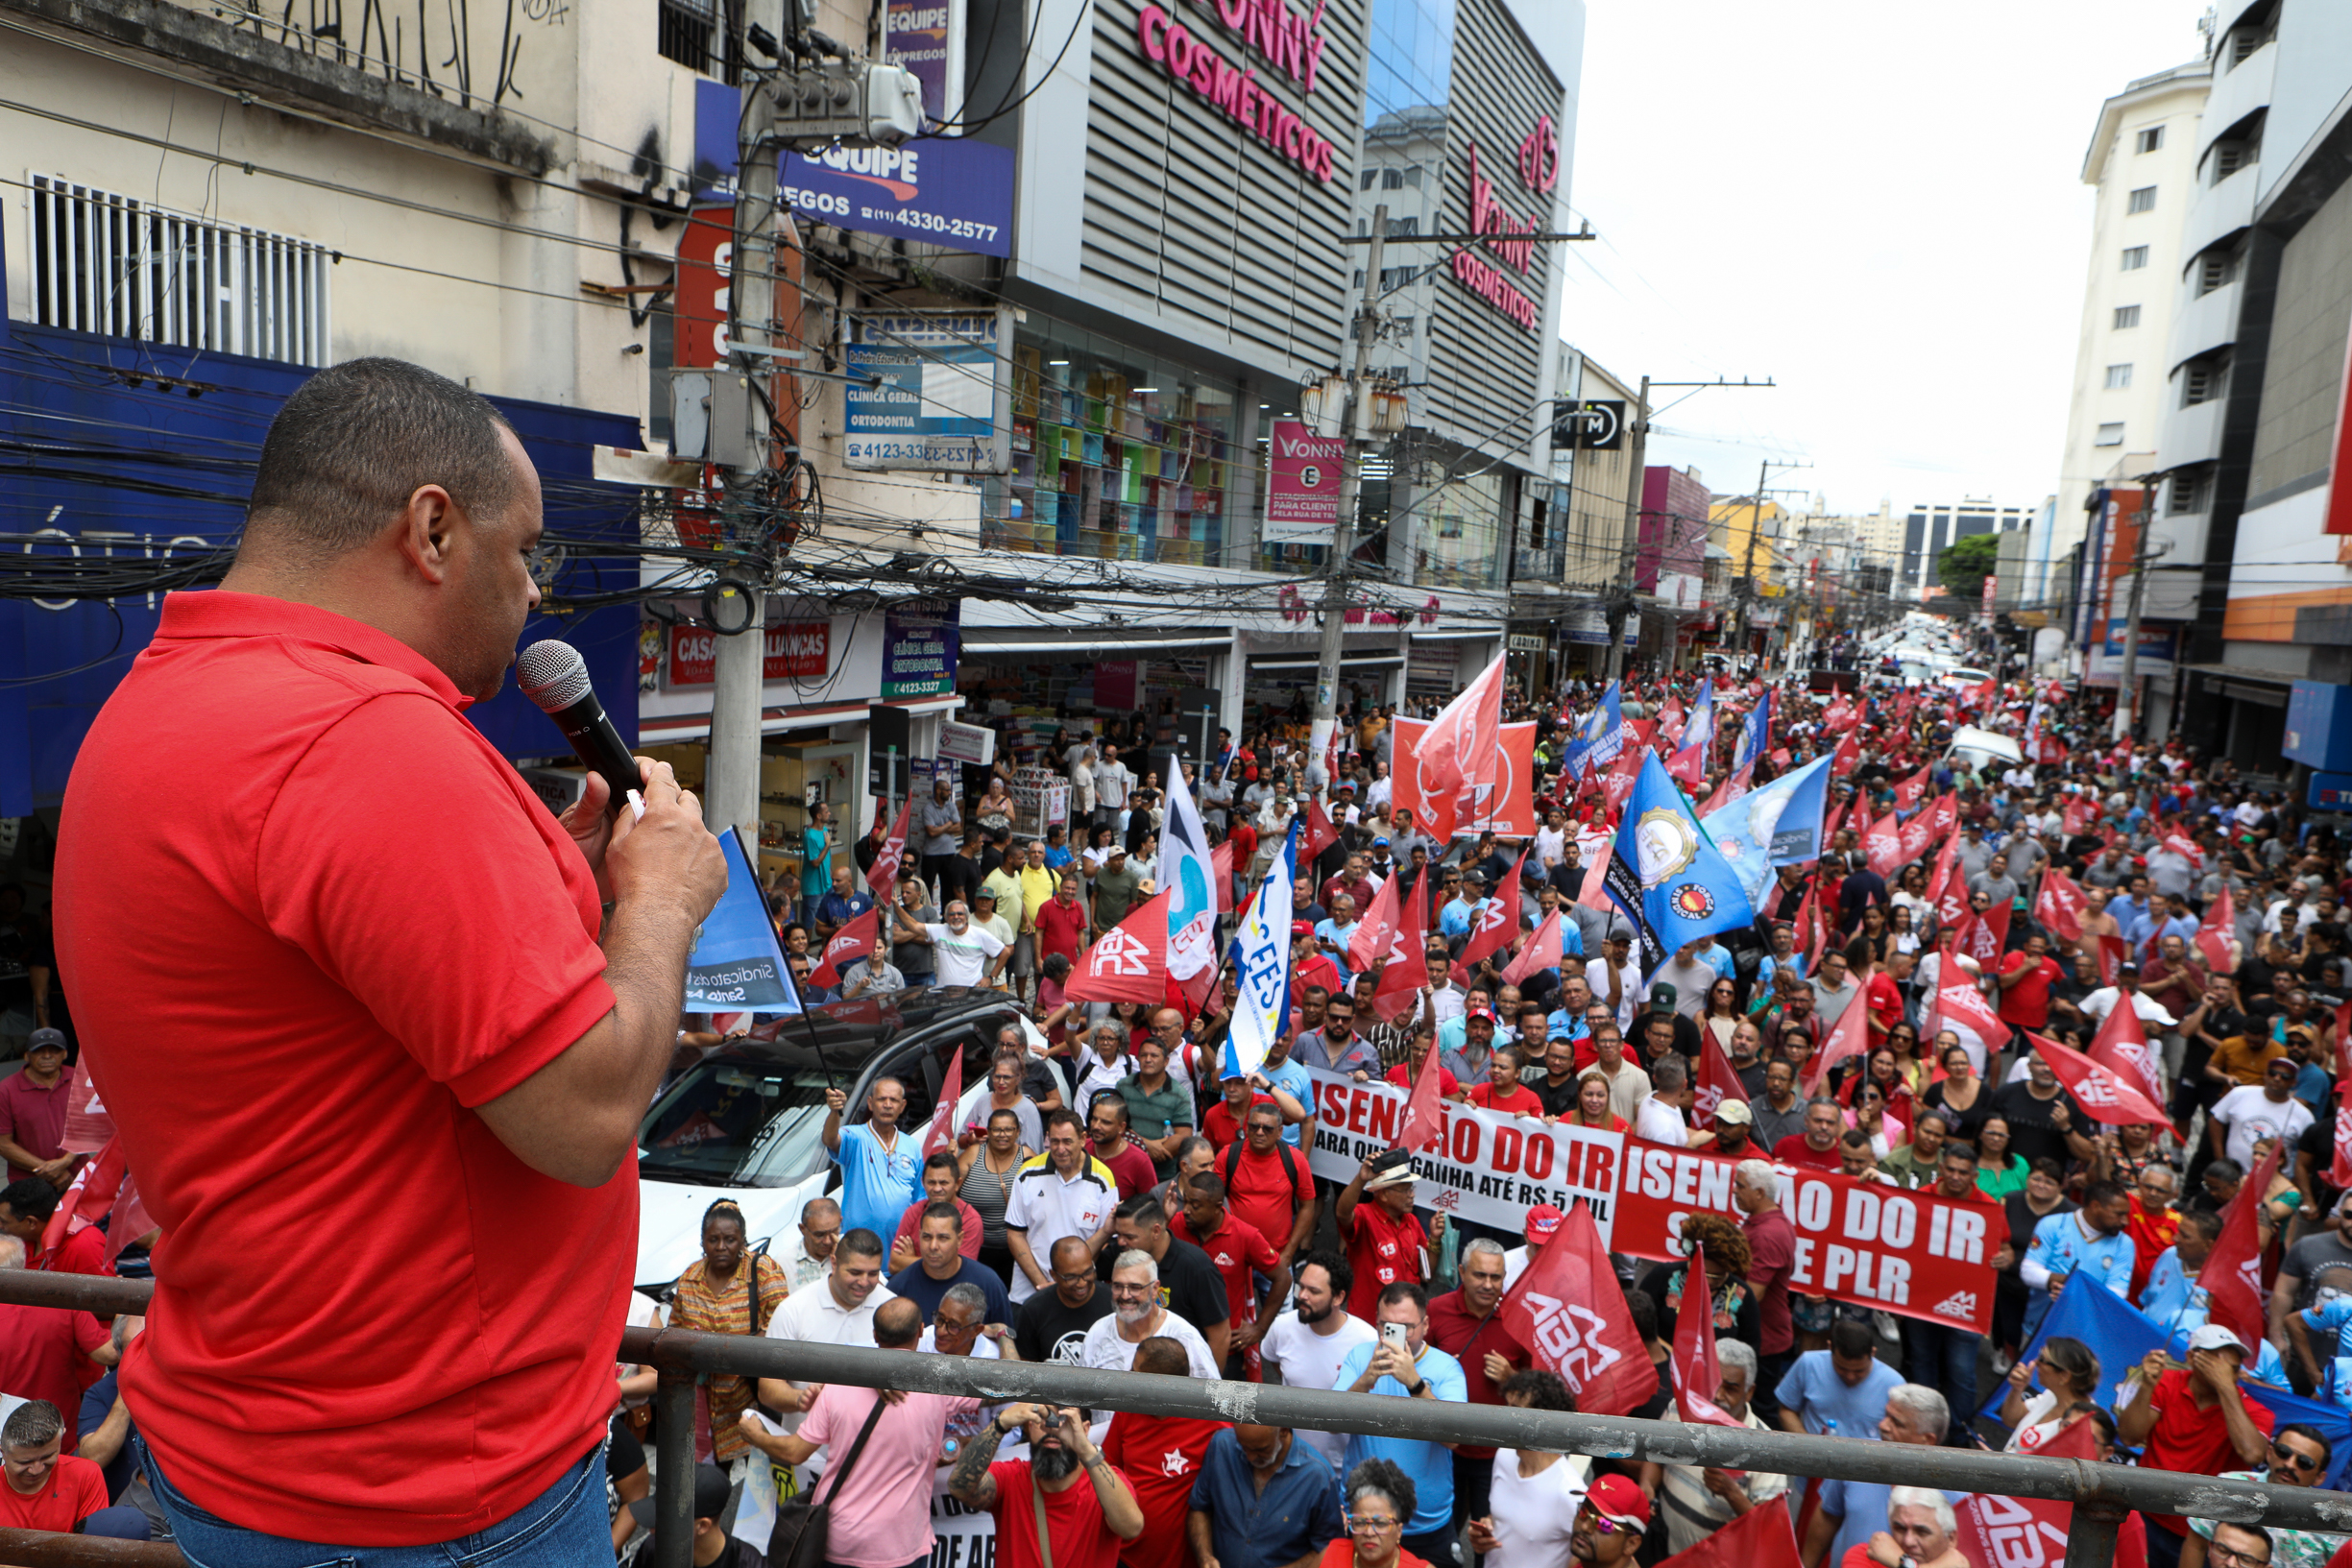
(2232,1275)
(2059,906)
(738,963)
(1424,1114)
(1849,1041)
(1718,1080)
(1543,951)
(942,1133)
(882,881)
(1456,743)
(1406,974)
(1695,1364)
(2121,1047)
(1697,739)
(1497,920)
(2217,934)
(1765,1536)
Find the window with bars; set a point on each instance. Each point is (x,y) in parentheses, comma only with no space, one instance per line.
(122,267)
(2190,491)
(2203,382)
(2216,270)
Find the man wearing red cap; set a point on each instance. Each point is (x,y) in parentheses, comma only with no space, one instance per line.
(1611,1525)
(1310,965)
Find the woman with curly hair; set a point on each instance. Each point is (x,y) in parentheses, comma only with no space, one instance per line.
(1737,1313)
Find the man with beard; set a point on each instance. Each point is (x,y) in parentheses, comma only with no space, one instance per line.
(1610,1524)
(1136,1315)
(1052,1325)
(1088,1507)
(1307,1345)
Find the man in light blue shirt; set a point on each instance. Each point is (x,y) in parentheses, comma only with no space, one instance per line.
(2172,1290)
(2091,1242)
(1841,1391)
(1337,931)
(1455,919)
(1853,1511)
(882,1168)
(1414,1369)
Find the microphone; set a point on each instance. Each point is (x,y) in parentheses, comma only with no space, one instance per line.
(554,675)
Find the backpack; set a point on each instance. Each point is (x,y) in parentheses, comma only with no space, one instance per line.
(1232,1153)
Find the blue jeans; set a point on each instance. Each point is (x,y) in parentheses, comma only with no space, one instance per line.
(563,1526)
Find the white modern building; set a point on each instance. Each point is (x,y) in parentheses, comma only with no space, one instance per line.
(1931,527)
(2142,165)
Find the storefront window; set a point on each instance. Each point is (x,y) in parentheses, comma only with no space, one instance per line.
(1117,455)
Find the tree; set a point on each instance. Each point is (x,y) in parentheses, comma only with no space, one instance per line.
(1964,567)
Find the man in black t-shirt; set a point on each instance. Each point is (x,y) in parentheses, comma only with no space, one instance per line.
(2045,1124)
(1050,1326)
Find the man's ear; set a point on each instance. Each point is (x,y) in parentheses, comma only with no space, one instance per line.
(427,531)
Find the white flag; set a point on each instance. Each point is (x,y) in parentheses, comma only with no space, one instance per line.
(1262,968)
(1190,879)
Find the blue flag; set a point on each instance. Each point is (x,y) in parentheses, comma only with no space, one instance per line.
(1262,967)
(1666,873)
(738,964)
(1756,735)
(1778,824)
(1599,739)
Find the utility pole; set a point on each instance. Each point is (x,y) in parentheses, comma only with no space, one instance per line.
(1344,527)
(1621,601)
(1746,571)
(738,679)
(2127,694)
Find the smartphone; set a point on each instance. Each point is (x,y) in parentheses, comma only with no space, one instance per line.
(1393,1335)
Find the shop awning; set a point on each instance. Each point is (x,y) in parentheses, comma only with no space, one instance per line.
(1347,661)
(1141,646)
(686,727)
(2246,682)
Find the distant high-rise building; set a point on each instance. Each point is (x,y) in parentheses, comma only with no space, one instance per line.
(1928,529)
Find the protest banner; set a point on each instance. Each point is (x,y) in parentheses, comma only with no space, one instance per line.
(1912,1253)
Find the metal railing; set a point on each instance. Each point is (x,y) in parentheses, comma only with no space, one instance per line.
(2101,1493)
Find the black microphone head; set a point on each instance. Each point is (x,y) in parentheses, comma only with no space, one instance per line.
(553,674)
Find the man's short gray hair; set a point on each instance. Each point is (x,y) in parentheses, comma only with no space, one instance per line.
(11,1252)
(1135,1257)
(1926,1405)
(1758,1174)
(1669,1076)
(1736,1353)
(1914,1497)
(967,1295)
(1484,1244)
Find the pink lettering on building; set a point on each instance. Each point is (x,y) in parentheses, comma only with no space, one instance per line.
(1233,90)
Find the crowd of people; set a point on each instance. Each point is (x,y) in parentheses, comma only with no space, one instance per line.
(1107,1201)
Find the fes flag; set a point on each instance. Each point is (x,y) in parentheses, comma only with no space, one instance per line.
(1569,1310)
(2103,1093)
(1262,968)
(1188,871)
(1130,962)
(738,965)
(1667,875)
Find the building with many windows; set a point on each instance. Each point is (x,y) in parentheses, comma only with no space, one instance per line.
(1930,528)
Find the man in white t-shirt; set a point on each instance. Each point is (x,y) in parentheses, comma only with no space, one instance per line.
(1136,1315)
(2254,1111)
(965,954)
(1660,1116)
(839,1310)
(1307,1344)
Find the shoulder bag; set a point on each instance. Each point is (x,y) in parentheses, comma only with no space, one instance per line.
(798,1539)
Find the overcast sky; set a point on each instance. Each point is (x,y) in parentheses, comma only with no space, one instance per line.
(1879,206)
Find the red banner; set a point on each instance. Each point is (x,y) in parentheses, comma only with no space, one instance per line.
(2059,906)
(1567,1308)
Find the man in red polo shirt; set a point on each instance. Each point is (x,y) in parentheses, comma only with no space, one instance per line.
(355,989)
(32,1113)
(25,1209)
(1815,1147)
(1386,1245)
(1462,1323)
(1241,1255)
(2025,980)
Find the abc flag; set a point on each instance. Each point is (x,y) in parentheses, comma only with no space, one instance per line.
(1262,968)
(738,965)
(1666,873)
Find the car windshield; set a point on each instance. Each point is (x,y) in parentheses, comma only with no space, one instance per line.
(733,1124)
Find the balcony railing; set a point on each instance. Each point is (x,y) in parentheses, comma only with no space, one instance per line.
(2101,1493)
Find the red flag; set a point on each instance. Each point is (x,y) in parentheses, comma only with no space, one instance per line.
(2059,906)
(1376,930)
(1407,970)
(1998,1531)
(883,881)
(1762,1537)
(1319,836)
(1882,845)
(2105,1094)
(1130,962)
(2216,932)
(1456,744)
(87,1199)
(1959,1000)
(1918,836)
(1983,936)
(1848,752)
(89,1126)
(942,1133)
(1695,1366)
(2232,1275)
(131,1221)
(1850,1039)
(1947,889)
(1498,922)
(2112,950)
(2121,1047)
(1913,789)
(1569,1310)
(1424,1116)
(2078,816)
(2340,1169)
(1220,864)
(2185,847)
(1741,781)
(853,941)
(1670,721)
(1718,1080)
(1542,951)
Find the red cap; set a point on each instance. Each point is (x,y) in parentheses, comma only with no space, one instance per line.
(1619,1500)
(1301,927)
(1541,1220)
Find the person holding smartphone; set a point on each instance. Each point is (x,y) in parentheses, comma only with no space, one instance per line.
(1403,1363)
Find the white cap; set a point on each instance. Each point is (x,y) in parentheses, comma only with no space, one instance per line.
(2213,1337)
